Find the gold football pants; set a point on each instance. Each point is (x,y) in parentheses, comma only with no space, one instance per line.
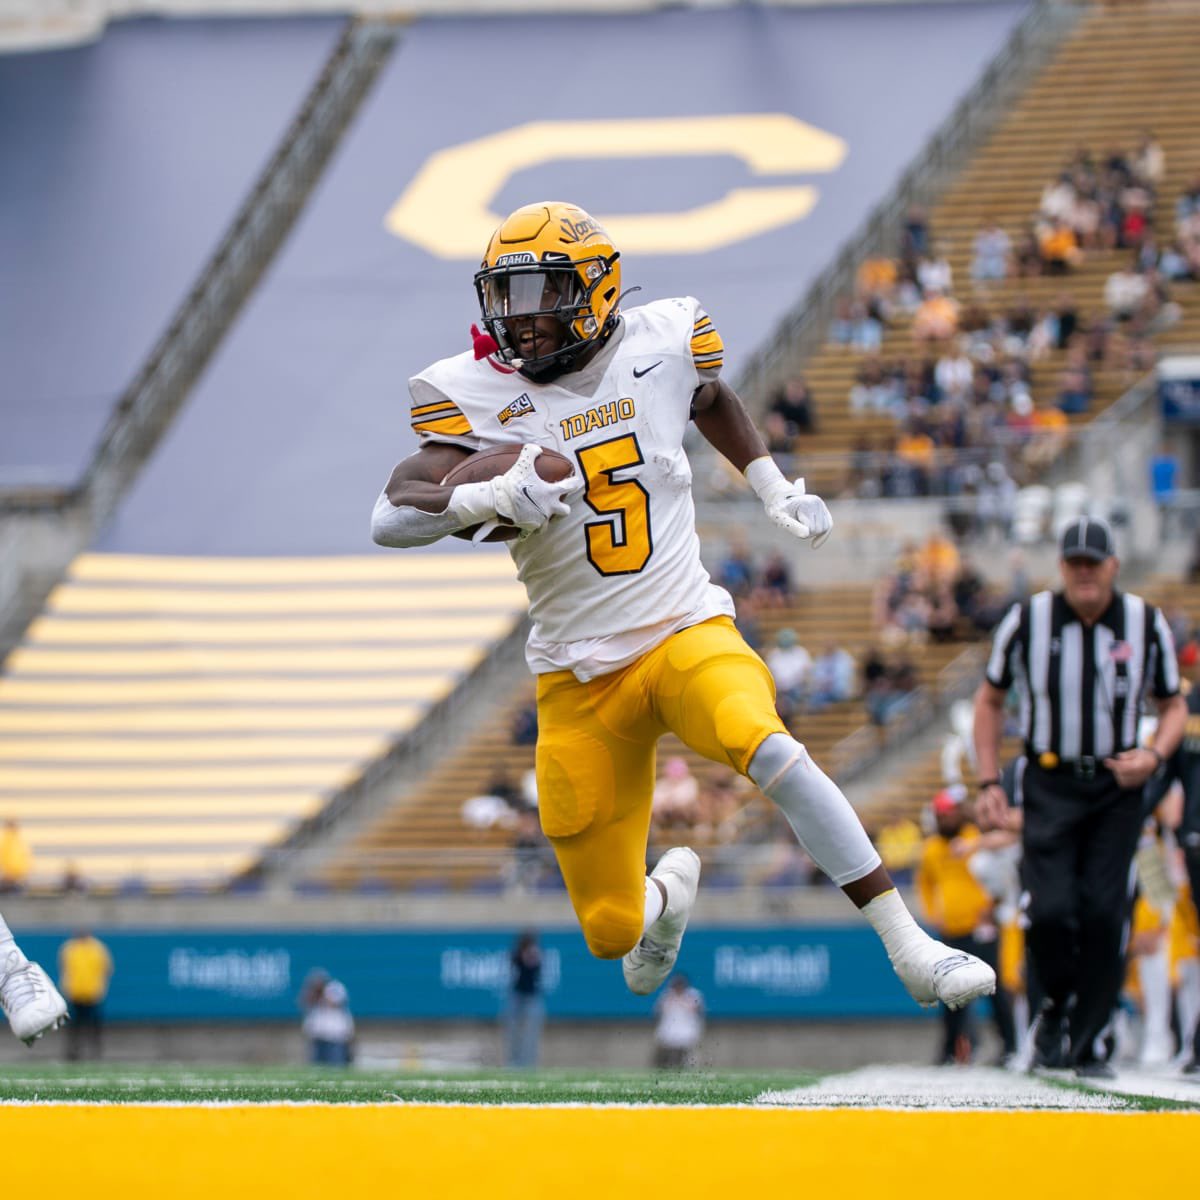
(595,761)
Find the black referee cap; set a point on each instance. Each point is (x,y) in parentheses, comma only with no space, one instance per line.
(1088,537)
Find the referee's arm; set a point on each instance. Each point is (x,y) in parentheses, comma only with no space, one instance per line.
(991,805)
(1133,767)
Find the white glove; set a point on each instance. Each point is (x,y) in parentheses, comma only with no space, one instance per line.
(520,497)
(787,504)
(527,500)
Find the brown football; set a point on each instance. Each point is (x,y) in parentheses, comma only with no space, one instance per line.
(487,464)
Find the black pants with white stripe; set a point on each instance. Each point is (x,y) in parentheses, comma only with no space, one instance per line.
(1079,840)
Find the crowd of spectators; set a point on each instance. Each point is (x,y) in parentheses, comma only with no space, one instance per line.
(962,396)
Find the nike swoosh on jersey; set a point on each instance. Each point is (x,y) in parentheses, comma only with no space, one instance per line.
(638,374)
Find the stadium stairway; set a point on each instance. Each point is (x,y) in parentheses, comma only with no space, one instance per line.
(166,720)
(1123,70)
(422,841)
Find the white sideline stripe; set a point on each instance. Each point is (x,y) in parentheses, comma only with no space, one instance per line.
(941,1088)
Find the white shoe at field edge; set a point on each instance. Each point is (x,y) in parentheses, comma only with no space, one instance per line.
(651,960)
(933,972)
(30,1001)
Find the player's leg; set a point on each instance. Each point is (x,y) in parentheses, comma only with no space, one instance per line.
(595,783)
(30,1001)
(717,695)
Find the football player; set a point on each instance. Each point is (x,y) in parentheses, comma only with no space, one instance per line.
(630,639)
(30,1001)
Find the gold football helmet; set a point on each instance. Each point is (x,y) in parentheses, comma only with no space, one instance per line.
(549,259)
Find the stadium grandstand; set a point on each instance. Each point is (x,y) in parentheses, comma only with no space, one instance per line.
(953,249)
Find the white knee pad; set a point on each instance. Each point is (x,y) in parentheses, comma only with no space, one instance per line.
(823,820)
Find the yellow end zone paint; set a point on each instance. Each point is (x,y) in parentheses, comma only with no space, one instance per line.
(361,1151)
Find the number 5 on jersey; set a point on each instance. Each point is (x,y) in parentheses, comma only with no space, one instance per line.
(621,543)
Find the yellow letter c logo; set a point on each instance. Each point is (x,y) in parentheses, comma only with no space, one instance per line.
(445,209)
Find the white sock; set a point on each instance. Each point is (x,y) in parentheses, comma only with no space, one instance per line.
(890,918)
(655,905)
(823,820)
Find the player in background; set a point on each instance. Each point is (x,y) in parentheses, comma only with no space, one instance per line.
(30,1001)
(630,639)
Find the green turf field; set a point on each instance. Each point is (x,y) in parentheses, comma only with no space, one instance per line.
(299,1084)
(153,1083)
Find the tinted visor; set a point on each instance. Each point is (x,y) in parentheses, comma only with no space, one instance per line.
(531,292)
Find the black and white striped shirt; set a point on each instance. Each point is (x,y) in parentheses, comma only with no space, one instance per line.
(1081,689)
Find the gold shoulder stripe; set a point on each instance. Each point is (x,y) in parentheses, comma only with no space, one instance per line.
(708,343)
(702,327)
(456,424)
(444,406)
(709,360)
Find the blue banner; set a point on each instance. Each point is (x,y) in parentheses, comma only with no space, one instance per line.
(246,975)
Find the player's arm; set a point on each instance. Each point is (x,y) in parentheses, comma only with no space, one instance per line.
(722,419)
(417,509)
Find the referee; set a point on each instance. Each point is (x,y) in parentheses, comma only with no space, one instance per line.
(1082,659)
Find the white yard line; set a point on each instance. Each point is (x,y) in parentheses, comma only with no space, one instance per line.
(943,1088)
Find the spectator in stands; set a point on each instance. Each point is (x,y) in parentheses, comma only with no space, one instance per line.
(936,319)
(954,375)
(789,664)
(831,679)
(1074,390)
(1187,210)
(1126,291)
(899,844)
(862,470)
(781,445)
(889,686)
(524,726)
(1149,161)
(16,858)
(934,273)
(1059,248)
(1051,431)
(496,807)
(960,910)
(679,1027)
(85,969)
(525,1014)
(876,284)
(991,250)
(736,572)
(914,452)
(531,854)
(775,587)
(794,403)
(1027,255)
(329,1027)
(676,802)
(873,389)
(915,234)
(938,560)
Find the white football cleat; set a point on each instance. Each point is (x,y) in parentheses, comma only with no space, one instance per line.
(933,972)
(30,1001)
(651,960)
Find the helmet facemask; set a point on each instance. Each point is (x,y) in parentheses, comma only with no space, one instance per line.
(517,299)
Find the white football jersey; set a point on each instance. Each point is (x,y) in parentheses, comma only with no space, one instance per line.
(622,571)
